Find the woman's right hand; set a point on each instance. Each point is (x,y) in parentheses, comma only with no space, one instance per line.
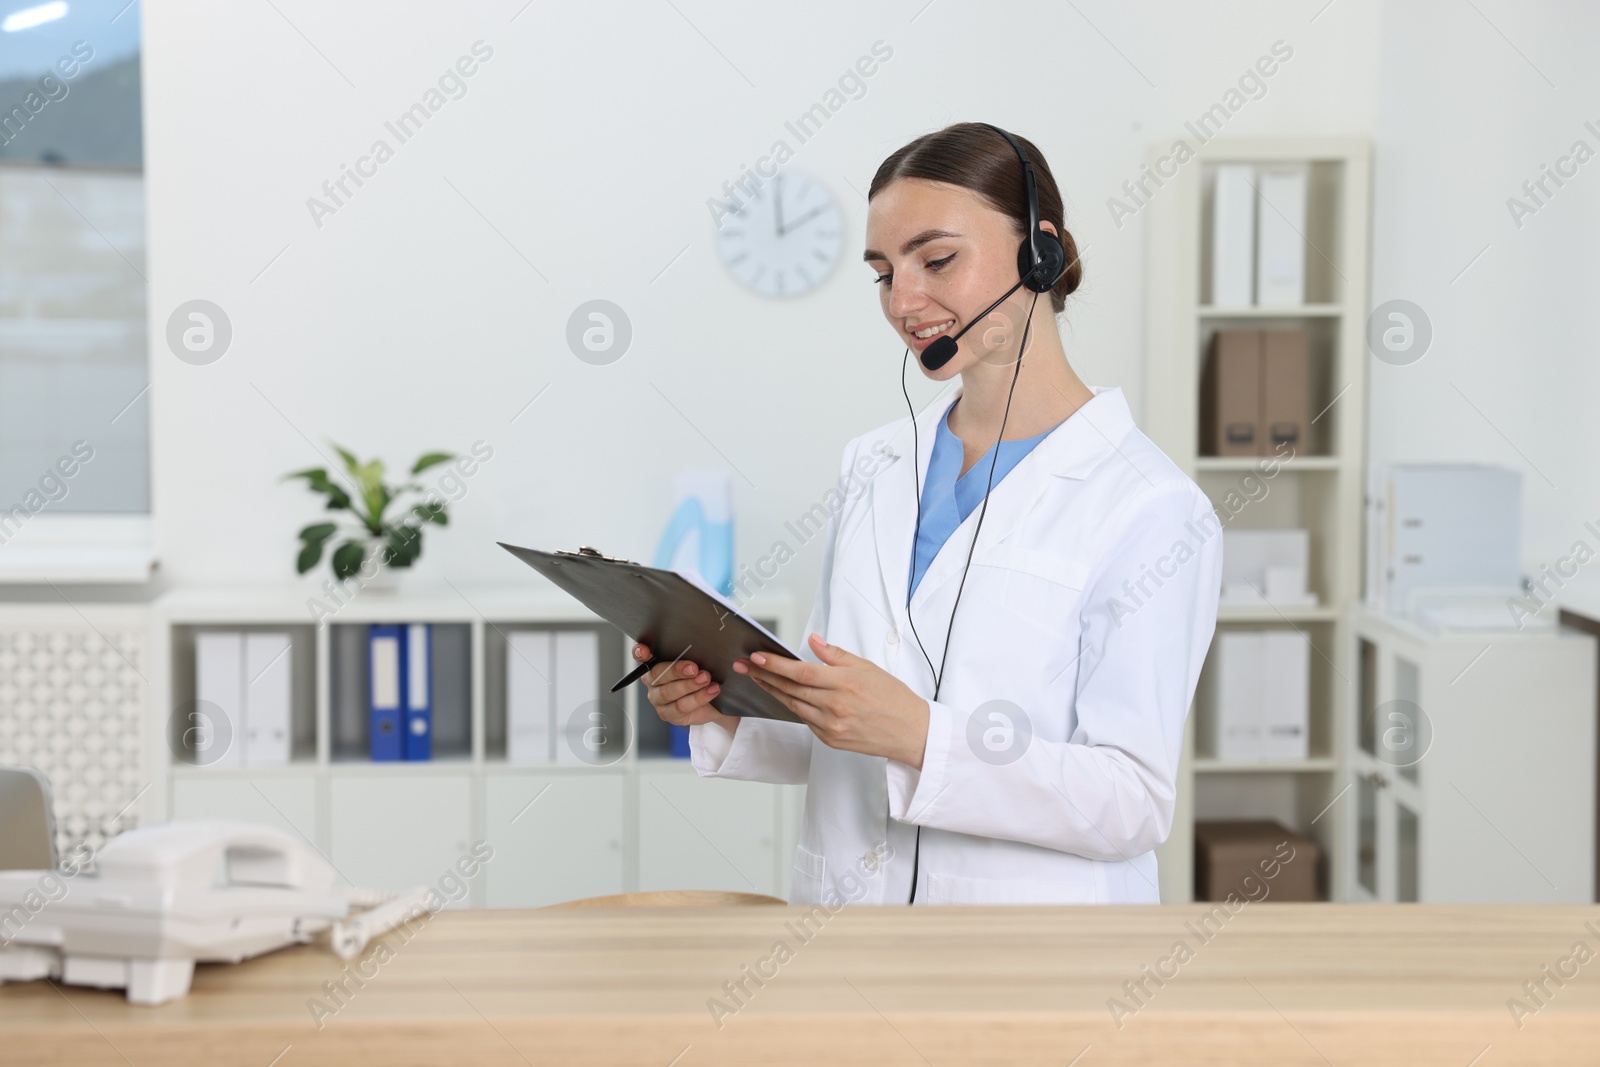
(682,693)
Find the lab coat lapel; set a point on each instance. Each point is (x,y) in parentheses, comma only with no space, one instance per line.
(1072,450)
(1011,498)
(894,510)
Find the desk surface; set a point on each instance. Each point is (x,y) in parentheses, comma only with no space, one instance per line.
(1273,983)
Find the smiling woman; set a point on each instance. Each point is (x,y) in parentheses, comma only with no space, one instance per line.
(1029,754)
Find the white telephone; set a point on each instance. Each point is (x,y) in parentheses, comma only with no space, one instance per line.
(167,895)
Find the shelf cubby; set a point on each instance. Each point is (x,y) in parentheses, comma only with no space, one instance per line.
(1325,684)
(1297,798)
(497,651)
(449,668)
(1327,236)
(302,688)
(1326,390)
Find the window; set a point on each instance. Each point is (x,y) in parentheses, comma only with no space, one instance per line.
(74,370)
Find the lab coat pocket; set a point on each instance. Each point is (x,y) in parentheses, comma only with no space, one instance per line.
(805,881)
(951,889)
(1041,587)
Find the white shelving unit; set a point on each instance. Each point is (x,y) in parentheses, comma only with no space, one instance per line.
(559,831)
(1319,489)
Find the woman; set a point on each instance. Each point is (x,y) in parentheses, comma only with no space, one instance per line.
(1024,748)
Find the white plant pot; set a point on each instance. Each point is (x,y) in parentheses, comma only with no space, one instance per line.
(385,579)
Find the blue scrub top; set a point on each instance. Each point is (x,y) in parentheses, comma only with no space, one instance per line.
(946,499)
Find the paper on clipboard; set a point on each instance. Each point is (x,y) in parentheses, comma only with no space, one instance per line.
(694,577)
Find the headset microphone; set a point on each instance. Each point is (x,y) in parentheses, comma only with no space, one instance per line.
(944,349)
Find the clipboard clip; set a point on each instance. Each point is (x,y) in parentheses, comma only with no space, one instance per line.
(585,550)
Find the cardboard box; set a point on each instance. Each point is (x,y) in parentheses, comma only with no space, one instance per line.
(1259,860)
(1230,395)
(1254,393)
(1284,393)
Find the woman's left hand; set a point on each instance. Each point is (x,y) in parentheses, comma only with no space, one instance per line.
(849,702)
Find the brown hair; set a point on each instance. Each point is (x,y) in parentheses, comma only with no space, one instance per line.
(973,156)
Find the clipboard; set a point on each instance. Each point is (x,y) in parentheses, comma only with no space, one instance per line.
(675,617)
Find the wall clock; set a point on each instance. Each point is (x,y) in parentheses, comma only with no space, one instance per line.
(784,240)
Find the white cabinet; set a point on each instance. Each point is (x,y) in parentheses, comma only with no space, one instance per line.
(287,801)
(394,831)
(641,822)
(1472,765)
(556,836)
(707,833)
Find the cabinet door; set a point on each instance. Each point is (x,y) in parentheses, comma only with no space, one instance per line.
(397,832)
(707,833)
(286,802)
(1388,743)
(555,837)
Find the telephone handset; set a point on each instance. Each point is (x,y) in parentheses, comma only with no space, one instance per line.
(164,896)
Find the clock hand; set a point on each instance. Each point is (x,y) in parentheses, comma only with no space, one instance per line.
(807,217)
(777,203)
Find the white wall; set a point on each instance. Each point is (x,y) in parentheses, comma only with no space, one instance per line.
(591,141)
(1472,104)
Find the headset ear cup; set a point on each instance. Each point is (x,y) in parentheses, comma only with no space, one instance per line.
(1041,278)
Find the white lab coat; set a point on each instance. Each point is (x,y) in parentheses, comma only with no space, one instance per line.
(1089,606)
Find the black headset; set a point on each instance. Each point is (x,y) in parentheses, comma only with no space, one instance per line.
(1041,260)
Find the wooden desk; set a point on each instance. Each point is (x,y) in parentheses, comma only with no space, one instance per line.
(1274,984)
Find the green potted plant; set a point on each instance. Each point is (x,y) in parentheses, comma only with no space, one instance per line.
(383,532)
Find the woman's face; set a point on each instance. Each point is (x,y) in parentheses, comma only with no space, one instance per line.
(941,255)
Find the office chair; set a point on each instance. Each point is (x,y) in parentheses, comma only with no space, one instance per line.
(27,825)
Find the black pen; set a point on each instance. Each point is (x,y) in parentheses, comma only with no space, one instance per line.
(638,672)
